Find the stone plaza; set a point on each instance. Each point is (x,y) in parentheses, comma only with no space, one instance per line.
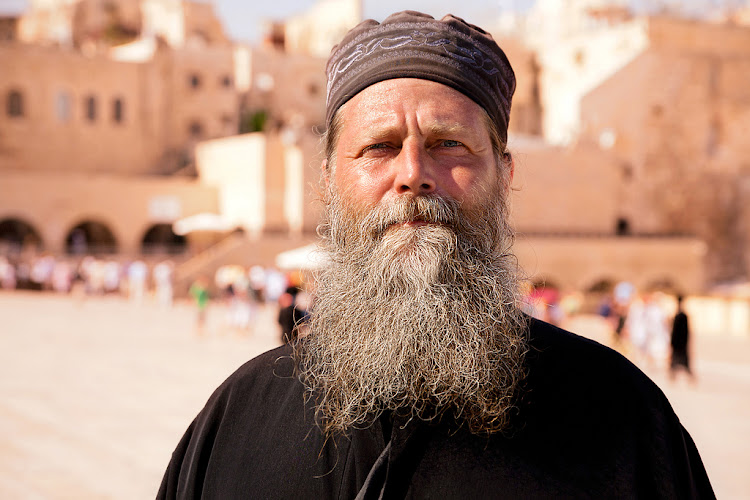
(95,392)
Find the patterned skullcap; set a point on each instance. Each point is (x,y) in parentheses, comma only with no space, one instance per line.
(414,45)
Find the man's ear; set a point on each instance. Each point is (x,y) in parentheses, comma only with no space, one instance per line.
(325,174)
(509,168)
(512,167)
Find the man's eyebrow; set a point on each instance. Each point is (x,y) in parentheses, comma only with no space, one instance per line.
(442,129)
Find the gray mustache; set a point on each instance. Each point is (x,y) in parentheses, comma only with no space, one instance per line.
(430,209)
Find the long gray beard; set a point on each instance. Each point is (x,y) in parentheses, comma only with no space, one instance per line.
(415,320)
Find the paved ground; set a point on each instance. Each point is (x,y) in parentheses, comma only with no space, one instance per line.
(95,394)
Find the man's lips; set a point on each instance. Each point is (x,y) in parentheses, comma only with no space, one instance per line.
(415,223)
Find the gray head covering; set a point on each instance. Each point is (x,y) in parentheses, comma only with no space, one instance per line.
(414,45)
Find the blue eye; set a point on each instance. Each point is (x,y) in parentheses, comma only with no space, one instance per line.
(448,143)
(380,145)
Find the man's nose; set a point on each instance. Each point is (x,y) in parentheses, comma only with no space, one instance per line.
(414,172)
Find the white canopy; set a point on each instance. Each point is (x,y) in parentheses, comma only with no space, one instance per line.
(306,258)
(202,222)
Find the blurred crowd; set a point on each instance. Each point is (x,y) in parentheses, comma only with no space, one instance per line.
(650,327)
(96,276)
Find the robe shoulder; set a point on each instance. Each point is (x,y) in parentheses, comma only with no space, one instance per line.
(586,403)
(590,425)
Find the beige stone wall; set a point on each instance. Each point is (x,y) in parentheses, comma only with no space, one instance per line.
(54,132)
(54,203)
(202,26)
(163,113)
(579,263)
(575,64)
(201,102)
(290,87)
(682,137)
(558,190)
(693,36)
(265,183)
(526,113)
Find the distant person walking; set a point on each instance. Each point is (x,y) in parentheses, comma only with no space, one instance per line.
(291,315)
(199,292)
(680,342)
(647,330)
(163,273)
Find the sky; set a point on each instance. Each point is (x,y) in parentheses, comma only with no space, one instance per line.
(243,19)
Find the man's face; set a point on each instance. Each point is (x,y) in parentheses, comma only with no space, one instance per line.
(416,312)
(413,137)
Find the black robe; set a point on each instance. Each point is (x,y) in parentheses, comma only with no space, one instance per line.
(589,425)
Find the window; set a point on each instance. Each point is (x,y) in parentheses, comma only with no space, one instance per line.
(196,130)
(90,108)
(622,227)
(226,81)
(195,80)
(62,107)
(118,110)
(15,103)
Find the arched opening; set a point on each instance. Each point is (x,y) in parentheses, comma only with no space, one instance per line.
(598,297)
(602,286)
(161,239)
(90,237)
(663,284)
(15,235)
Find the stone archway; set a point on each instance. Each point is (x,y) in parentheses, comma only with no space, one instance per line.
(90,237)
(17,234)
(601,286)
(161,239)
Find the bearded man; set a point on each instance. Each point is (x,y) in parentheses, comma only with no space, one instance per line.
(419,376)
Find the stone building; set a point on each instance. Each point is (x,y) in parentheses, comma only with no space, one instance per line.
(120,119)
(90,114)
(682,139)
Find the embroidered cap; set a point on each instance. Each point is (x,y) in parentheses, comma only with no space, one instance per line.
(415,45)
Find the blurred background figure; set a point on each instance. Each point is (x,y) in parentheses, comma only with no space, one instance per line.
(163,275)
(112,278)
(199,292)
(680,343)
(647,330)
(291,314)
(7,274)
(62,277)
(137,276)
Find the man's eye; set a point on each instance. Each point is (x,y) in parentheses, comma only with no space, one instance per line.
(380,145)
(448,143)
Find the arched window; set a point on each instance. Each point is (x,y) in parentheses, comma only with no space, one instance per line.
(14,104)
(90,108)
(90,237)
(161,238)
(118,110)
(15,234)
